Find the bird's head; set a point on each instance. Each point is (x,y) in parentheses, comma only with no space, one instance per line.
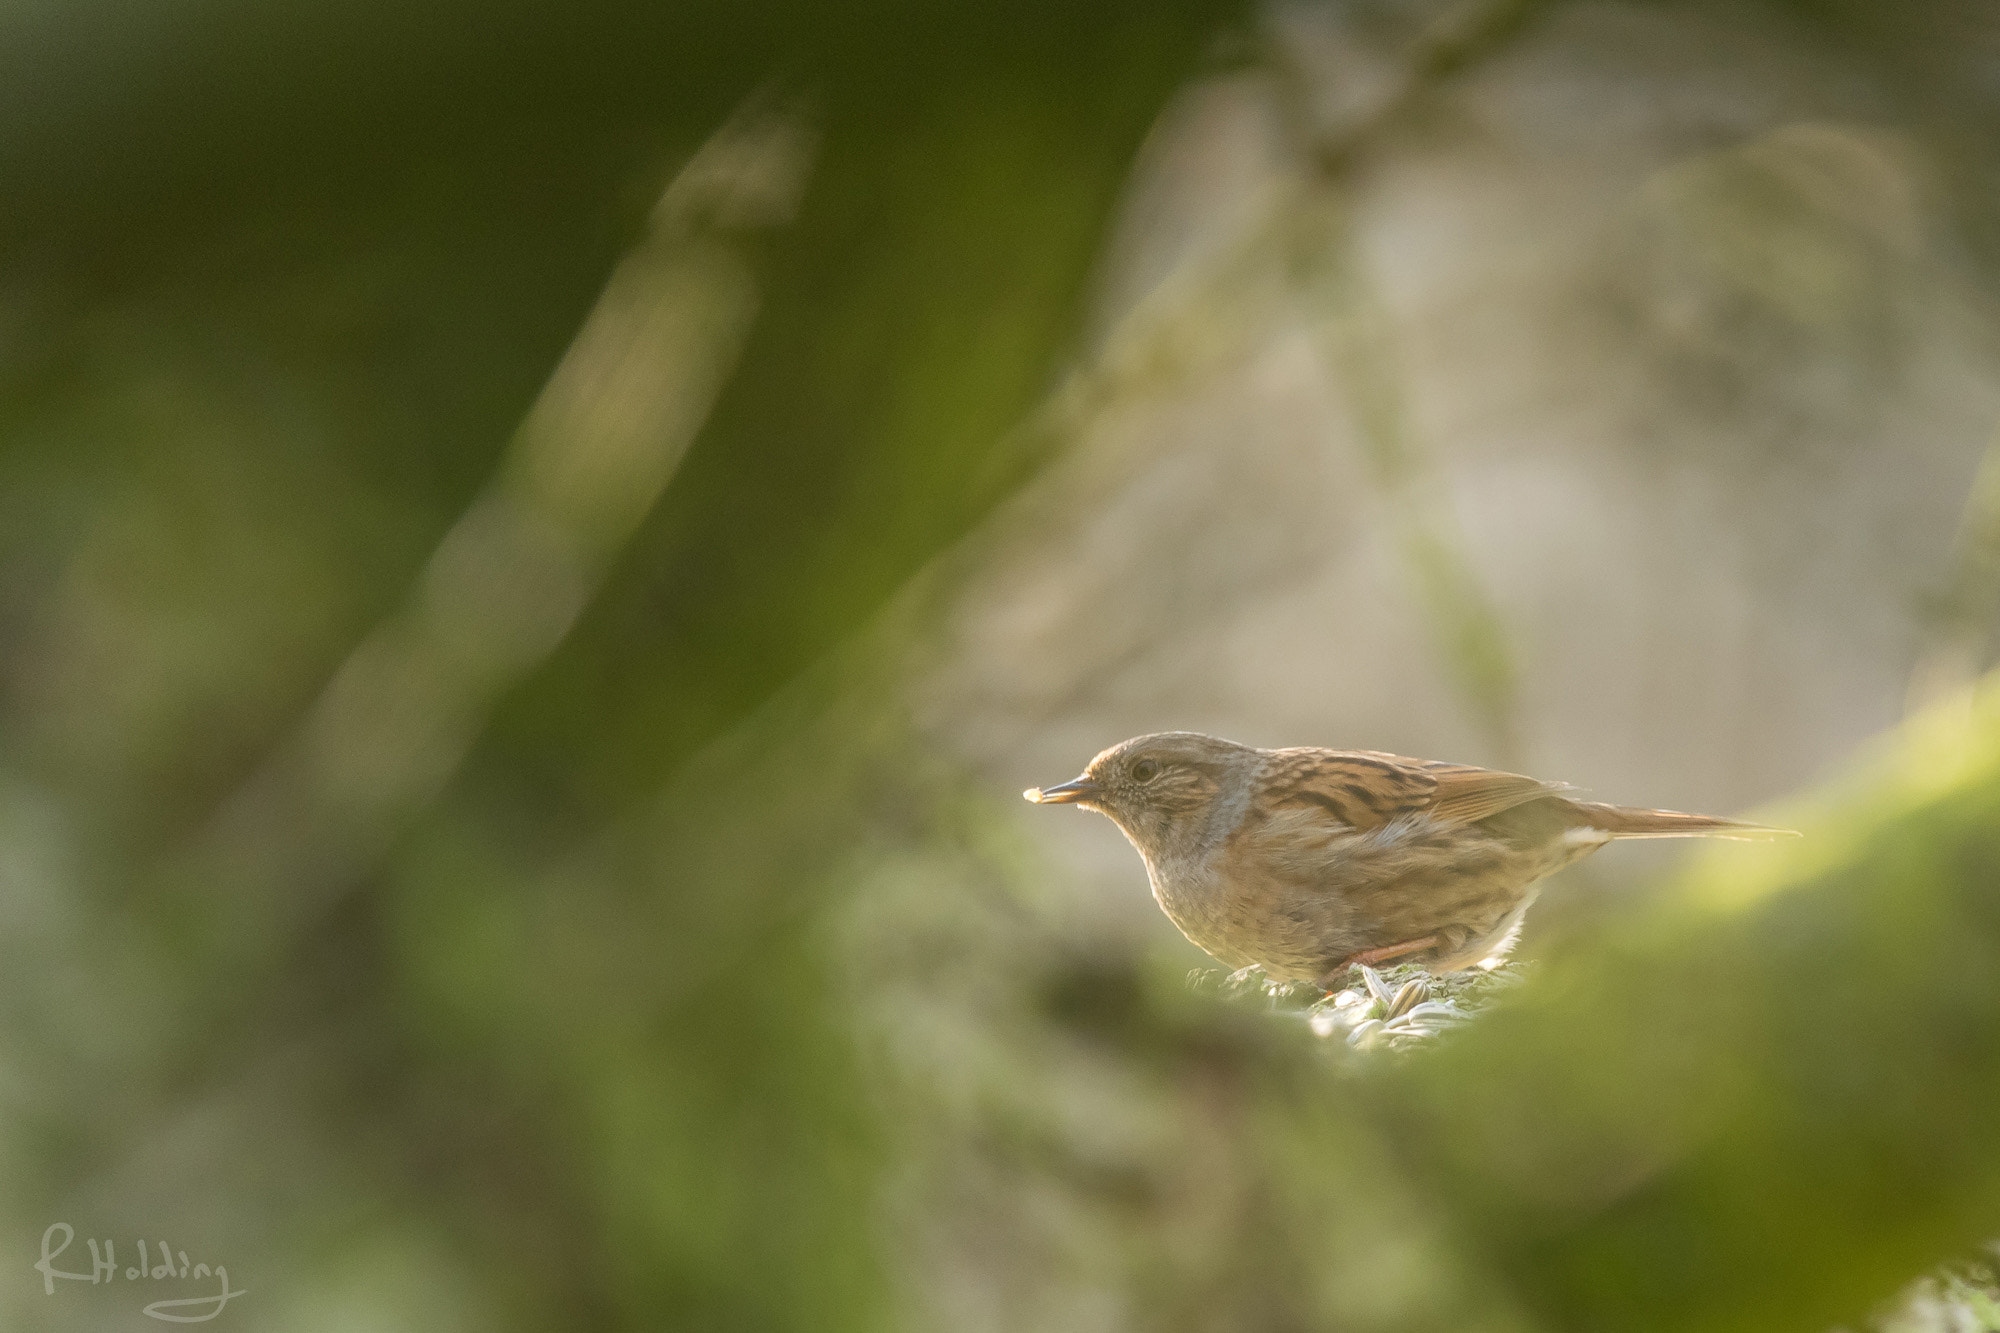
(1158,788)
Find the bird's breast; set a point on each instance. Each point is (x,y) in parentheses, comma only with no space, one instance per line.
(1217,912)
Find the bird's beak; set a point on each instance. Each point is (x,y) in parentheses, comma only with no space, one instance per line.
(1068,793)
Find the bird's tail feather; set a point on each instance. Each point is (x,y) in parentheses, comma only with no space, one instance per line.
(1624,821)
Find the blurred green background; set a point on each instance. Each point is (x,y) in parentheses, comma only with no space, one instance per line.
(539,545)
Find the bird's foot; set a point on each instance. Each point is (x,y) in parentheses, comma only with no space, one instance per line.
(1372,958)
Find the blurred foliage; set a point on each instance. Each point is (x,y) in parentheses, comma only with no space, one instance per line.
(674,975)
(278,292)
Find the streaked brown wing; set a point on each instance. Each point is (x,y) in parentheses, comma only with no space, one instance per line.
(1465,793)
(1365,789)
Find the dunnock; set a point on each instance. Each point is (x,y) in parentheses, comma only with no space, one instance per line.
(1308,861)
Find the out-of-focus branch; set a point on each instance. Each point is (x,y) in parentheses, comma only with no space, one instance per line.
(1181,325)
(509,578)
(1293,242)
(1357,338)
(1460,36)
(1960,638)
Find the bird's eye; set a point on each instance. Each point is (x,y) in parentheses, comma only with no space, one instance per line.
(1145,771)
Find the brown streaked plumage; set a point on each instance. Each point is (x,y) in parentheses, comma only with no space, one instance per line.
(1307,861)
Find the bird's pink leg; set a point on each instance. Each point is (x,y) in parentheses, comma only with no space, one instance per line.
(1375,956)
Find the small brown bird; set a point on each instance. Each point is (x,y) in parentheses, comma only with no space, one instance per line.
(1308,861)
